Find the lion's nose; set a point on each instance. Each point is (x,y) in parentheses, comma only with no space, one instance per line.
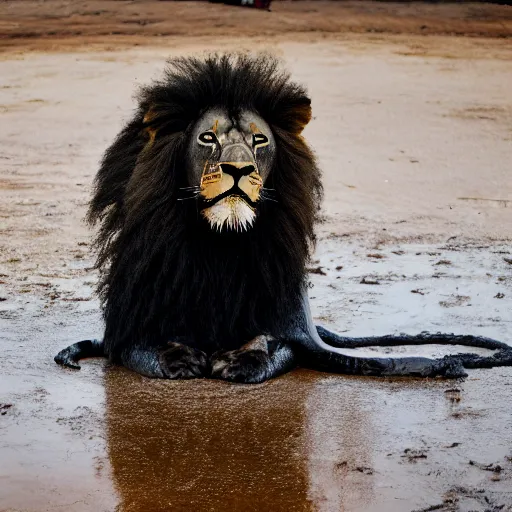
(237,170)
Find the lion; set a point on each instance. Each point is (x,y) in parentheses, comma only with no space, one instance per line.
(207,202)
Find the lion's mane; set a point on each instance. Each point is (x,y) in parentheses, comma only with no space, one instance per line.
(164,272)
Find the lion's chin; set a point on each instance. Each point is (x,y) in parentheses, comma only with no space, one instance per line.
(230,213)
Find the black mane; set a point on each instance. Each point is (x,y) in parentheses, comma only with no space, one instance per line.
(164,271)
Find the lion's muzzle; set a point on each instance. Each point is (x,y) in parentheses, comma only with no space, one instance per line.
(230,191)
(226,178)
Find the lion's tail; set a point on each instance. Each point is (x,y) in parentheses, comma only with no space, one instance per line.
(70,356)
(451,366)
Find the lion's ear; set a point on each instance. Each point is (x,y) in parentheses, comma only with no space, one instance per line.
(149,129)
(303,115)
(296,115)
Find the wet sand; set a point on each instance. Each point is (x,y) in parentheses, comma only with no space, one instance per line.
(414,136)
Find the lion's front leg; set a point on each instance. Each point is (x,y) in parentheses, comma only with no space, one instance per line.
(175,361)
(261,359)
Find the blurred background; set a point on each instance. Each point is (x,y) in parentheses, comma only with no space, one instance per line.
(28,24)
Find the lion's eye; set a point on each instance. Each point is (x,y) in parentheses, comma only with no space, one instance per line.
(207,138)
(259,140)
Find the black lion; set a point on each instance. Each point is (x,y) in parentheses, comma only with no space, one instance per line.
(207,201)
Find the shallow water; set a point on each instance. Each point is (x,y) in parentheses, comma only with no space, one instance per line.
(104,437)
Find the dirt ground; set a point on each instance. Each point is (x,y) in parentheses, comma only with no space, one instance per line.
(108,24)
(413,134)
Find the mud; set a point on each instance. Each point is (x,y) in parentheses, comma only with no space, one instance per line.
(404,141)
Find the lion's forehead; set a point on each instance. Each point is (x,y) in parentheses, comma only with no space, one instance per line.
(219,121)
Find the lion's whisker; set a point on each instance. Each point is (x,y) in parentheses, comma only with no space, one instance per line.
(195,196)
(266,198)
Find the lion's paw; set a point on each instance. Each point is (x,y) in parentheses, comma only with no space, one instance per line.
(182,362)
(243,365)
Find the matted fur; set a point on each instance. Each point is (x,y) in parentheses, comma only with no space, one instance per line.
(165,272)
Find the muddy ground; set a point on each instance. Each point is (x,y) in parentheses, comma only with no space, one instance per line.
(414,136)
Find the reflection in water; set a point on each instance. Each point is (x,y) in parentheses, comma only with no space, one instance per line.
(304,442)
(206,445)
(340,438)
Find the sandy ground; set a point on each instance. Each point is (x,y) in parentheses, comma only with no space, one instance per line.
(414,136)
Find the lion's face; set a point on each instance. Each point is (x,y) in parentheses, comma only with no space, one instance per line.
(229,160)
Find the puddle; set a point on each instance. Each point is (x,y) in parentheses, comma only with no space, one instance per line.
(106,439)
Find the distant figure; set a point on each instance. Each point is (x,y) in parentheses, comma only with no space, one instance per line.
(259,4)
